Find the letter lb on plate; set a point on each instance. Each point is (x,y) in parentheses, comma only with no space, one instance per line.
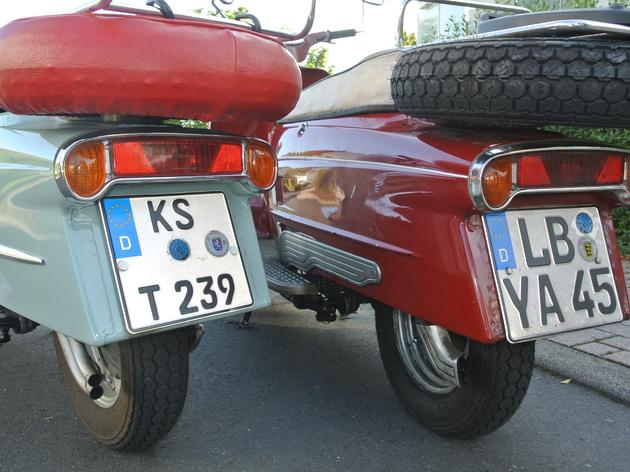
(166,272)
(552,271)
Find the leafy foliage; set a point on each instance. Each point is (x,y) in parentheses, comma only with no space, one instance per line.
(409,39)
(318,58)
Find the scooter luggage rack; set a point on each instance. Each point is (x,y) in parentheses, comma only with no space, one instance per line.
(107,5)
(577,26)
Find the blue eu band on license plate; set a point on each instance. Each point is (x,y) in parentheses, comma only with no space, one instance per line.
(500,241)
(122,227)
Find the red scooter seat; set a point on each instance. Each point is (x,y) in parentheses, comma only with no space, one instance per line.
(84,64)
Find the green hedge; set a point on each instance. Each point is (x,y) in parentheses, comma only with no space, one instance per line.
(615,137)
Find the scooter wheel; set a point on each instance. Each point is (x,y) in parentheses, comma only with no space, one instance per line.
(478,396)
(142,391)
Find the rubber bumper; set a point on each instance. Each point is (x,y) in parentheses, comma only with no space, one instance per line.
(86,64)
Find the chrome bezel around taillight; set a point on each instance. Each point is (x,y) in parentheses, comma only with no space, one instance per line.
(480,163)
(111,180)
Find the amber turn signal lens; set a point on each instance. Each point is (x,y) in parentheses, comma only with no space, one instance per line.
(497,182)
(261,165)
(85,169)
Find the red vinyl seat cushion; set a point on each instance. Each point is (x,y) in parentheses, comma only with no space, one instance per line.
(142,65)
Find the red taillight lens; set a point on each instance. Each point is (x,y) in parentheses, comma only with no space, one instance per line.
(611,172)
(570,169)
(172,158)
(532,172)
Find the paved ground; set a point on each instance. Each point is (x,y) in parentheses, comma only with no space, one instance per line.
(598,357)
(611,343)
(295,395)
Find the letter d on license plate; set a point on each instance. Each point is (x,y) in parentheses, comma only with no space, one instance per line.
(552,271)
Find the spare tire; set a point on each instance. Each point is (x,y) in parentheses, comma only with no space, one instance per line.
(517,82)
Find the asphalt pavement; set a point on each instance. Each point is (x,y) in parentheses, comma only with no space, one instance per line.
(292,394)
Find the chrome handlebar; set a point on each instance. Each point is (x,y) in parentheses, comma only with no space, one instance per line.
(108,5)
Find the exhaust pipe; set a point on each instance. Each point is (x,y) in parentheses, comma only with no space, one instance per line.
(80,366)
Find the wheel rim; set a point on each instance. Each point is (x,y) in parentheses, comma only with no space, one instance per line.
(428,354)
(107,360)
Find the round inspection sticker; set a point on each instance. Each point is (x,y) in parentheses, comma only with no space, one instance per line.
(179,249)
(587,248)
(584,222)
(217,243)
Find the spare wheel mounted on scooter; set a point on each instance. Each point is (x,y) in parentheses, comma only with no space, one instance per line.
(108,64)
(507,82)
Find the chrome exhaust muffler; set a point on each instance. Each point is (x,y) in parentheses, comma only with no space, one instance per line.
(81,367)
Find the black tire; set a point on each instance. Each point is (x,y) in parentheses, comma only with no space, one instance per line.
(495,379)
(154,382)
(517,82)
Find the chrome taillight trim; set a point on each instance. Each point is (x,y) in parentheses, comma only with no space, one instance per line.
(479,164)
(112,180)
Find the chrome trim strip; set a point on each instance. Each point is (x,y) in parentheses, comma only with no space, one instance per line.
(479,164)
(463,3)
(377,166)
(306,253)
(20,256)
(111,180)
(557,26)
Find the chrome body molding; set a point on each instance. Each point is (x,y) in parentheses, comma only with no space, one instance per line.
(306,253)
(384,166)
(475,188)
(16,255)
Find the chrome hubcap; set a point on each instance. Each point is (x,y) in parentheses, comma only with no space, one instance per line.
(428,354)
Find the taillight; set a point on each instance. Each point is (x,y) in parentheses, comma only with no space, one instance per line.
(85,168)
(88,168)
(497,181)
(261,165)
(549,170)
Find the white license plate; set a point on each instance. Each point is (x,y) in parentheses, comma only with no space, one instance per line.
(552,270)
(176,258)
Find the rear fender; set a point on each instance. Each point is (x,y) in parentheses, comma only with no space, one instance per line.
(395,191)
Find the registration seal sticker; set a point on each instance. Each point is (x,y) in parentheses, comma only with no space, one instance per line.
(584,222)
(217,243)
(179,249)
(587,248)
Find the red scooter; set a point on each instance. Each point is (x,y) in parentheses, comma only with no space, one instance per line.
(417,181)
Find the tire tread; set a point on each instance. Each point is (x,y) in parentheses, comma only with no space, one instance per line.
(520,82)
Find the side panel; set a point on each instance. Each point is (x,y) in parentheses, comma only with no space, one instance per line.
(74,291)
(395,190)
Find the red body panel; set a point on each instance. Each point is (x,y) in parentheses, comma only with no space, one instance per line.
(148,66)
(395,190)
